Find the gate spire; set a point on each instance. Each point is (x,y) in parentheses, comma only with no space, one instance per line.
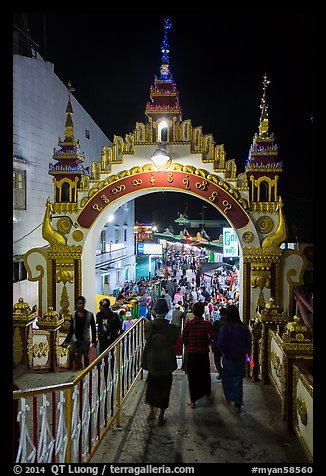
(163,110)
(262,167)
(263,125)
(165,73)
(68,170)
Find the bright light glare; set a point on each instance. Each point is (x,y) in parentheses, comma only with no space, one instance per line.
(160,158)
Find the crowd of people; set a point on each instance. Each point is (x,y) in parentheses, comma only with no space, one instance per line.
(191,315)
(203,312)
(230,342)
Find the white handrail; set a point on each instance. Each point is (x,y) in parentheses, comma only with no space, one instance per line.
(112,375)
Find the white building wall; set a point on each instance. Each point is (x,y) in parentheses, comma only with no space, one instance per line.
(39,114)
(39,105)
(120,255)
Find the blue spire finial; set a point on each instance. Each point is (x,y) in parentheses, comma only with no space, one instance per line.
(165,73)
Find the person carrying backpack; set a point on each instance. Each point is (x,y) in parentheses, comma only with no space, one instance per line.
(160,360)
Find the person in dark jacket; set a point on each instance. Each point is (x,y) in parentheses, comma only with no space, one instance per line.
(109,325)
(217,325)
(81,323)
(160,360)
(234,340)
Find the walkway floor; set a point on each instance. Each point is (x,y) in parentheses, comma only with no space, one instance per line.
(211,433)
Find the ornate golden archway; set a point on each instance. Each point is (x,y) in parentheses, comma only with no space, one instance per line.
(196,165)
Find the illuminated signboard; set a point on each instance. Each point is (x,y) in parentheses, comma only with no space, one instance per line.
(230,243)
(150,249)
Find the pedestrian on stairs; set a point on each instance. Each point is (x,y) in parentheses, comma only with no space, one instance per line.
(78,337)
(197,336)
(234,340)
(160,360)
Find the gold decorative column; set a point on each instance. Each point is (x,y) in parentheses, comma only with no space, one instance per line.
(271,316)
(51,322)
(297,344)
(23,319)
(264,275)
(256,331)
(65,279)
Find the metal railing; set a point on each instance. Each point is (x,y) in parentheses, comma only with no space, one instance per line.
(65,423)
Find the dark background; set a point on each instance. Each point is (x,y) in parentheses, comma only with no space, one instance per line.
(218,63)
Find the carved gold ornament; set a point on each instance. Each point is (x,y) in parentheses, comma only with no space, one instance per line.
(273,314)
(264,224)
(29,347)
(297,338)
(17,347)
(22,314)
(41,349)
(48,232)
(277,366)
(78,235)
(49,319)
(64,276)
(302,410)
(247,237)
(275,239)
(261,278)
(64,225)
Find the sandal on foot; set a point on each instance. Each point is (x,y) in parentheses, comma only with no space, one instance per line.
(162,421)
(150,417)
(191,404)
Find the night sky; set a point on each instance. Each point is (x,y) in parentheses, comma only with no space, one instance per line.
(217,62)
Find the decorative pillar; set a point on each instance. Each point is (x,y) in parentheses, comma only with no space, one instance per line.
(297,344)
(256,331)
(259,264)
(23,319)
(65,279)
(52,323)
(270,317)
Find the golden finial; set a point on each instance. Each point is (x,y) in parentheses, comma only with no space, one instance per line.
(70,88)
(263,125)
(69,126)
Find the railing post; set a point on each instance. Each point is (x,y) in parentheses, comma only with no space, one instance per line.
(68,422)
(297,344)
(118,398)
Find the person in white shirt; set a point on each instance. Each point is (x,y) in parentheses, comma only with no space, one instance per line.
(127,322)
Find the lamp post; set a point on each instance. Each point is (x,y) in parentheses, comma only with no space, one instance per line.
(203,214)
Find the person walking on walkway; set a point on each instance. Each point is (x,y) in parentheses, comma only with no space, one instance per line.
(78,337)
(197,336)
(160,360)
(217,325)
(109,325)
(177,317)
(234,340)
